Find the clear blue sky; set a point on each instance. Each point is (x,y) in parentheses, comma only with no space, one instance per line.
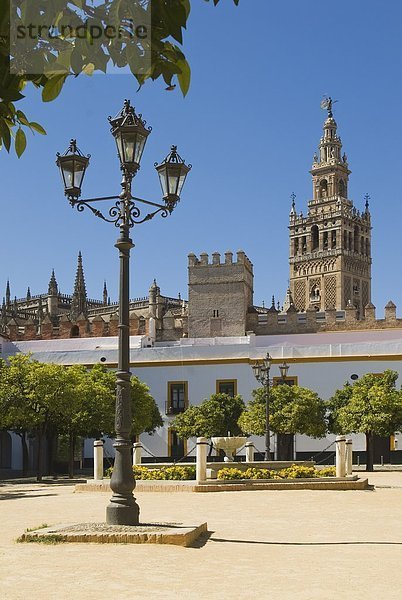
(249,125)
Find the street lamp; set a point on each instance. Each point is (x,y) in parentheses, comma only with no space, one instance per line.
(283,368)
(261,373)
(130,133)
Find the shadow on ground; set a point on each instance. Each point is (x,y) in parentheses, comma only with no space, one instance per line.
(348,543)
(22,494)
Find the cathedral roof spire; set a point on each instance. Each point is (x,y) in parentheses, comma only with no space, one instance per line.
(105,294)
(53,289)
(8,294)
(79,299)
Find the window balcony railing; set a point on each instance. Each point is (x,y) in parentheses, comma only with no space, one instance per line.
(173,410)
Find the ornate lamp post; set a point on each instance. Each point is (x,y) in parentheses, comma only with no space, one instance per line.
(284,368)
(261,373)
(130,133)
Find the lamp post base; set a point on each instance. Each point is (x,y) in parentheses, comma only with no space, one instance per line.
(123,514)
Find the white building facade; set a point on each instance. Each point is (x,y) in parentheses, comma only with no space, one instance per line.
(187,371)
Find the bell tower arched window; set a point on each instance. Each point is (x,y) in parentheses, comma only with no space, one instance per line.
(342,188)
(323,188)
(315,294)
(315,239)
(356,239)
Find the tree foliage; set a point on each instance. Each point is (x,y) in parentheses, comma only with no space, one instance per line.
(371,405)
(215,416)
(51,42)
(293,409)
(73,401)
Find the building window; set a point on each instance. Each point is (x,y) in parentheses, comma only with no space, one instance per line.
(227,386)
(333,239)
(285,380)
(141,325)
(177,447)
(315,294)
(177,397)
(216,313)
(314,237)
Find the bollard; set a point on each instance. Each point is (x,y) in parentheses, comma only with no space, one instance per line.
(137,447)
(349,457)
(201,468)
(340,456)
(249,452)
(98,460)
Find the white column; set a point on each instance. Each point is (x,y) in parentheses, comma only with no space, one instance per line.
(201,469)
(249,452)
(137,447)
(349,457)
(98,460)
(340,456)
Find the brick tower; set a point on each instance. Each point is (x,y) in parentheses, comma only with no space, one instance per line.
(330,247)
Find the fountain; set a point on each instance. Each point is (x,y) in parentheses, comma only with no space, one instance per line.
(229,445)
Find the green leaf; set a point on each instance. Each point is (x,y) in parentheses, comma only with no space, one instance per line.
(89,69)
(5,134)
(22,118)
(53,88)
(184,77)
(20,142)
(36,127)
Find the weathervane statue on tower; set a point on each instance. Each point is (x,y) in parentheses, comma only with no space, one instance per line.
(326,104)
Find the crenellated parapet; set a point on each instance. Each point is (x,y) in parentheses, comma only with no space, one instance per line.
(313,321)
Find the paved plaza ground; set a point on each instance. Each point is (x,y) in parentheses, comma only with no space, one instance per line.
(265,544)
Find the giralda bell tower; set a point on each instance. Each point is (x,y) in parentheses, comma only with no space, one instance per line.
(330,247)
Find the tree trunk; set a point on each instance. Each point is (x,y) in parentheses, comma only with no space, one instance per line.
(25,453)
(369,451)
(39,458)
(51,447)
(71,448)
(285,446)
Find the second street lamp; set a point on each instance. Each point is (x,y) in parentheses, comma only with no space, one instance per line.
(130,133)
(261,373)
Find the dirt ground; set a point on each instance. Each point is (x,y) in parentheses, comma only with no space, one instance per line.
(264,544)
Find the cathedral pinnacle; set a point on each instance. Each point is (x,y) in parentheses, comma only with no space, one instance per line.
(79,299)
(8,294)
(53,289)
(105,294)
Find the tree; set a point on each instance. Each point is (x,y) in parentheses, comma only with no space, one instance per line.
(293,409)
(372,406)
(14,413)
(49,400)
(88,405)
(43,43)
(215,416)
(29,393)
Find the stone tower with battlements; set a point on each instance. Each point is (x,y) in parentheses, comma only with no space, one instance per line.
(220,294)
(330,247)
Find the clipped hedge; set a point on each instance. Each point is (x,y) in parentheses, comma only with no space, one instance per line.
(292,472)
(174,473)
